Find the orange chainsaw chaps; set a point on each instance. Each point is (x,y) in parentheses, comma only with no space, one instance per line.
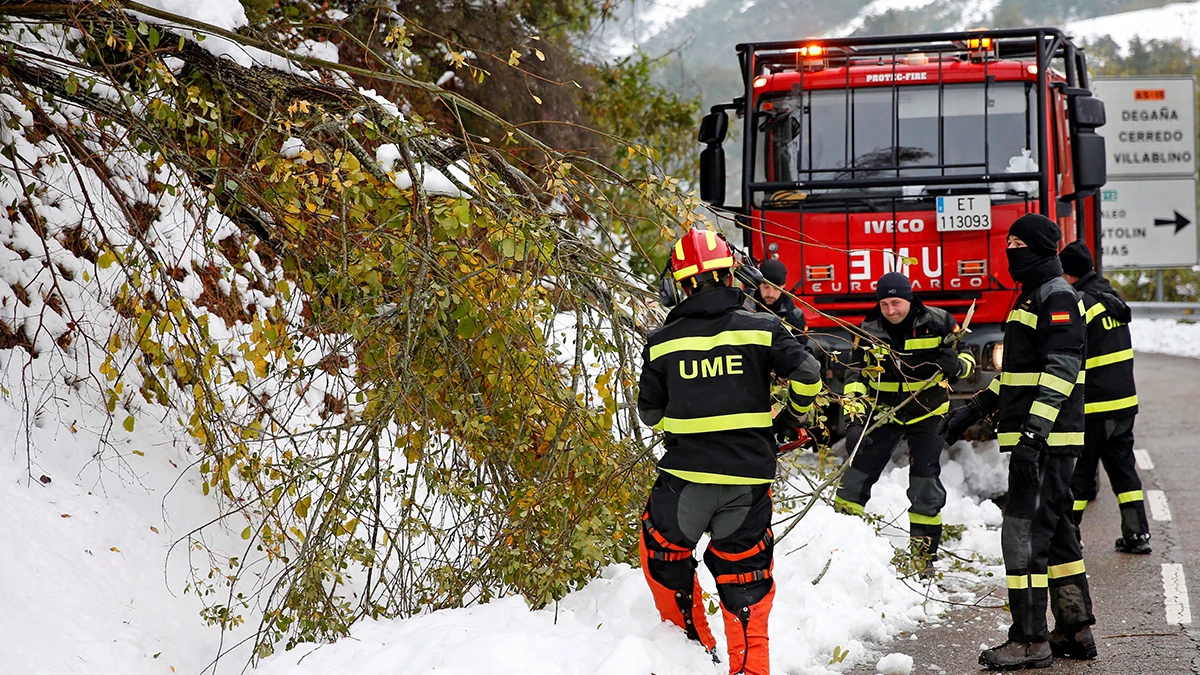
(748,650)
(667,602)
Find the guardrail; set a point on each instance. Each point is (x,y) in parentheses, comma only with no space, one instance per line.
(1166,310)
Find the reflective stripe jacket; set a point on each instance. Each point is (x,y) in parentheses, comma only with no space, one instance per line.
(1109,363)
(910,365)
(1044,341)
(706,382)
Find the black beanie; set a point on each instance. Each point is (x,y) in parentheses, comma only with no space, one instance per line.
(893,285)
(1076,259)
(774,272)
(1038,232)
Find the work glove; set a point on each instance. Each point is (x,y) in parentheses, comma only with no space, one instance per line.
(854,432)
(949,363)
(787,425)
(1023,464)
(956,423)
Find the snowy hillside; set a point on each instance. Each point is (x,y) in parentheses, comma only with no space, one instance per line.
(1179,21)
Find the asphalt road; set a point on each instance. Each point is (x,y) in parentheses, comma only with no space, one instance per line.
(1133,631)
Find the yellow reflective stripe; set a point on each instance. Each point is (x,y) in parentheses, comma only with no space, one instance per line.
(1042,410)
(802,389)
(1019,379)
(688,271)
(717,263)
(1082,376)
(922,343)
(1093,312)
(940,410)
(1056,383)
(1039,580)
(854,388)
(1021,316)
(994,386)
(907,386)
(729,338)
(1109,406)
(700,425)
(968,363)
(1132,496)
(918,519)
(802,409)
(1109,359)
(710,238)
(1079,505)
(1017,582)
(1065,570)
(1057,439)
(847,505)
(717,478)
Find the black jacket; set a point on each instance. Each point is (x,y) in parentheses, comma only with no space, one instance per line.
(706,382)
(1110,389)
(1044,342)
(909,363)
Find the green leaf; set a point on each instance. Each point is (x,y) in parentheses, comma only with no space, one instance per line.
(246,533)
(128,424)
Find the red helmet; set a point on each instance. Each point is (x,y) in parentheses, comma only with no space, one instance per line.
(699,251)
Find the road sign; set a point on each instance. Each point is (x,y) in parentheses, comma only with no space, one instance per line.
(1149,223)
(1151,129)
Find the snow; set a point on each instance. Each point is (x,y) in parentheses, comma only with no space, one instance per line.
(435,181)
(1166,336)
(1179,21)
(895,664)
(836,589)
(227,14)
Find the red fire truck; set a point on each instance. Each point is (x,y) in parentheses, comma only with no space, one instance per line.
(911,153)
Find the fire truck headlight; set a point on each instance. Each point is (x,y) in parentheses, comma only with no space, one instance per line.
(996,359)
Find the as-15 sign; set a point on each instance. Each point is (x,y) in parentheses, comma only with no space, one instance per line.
(1151,128)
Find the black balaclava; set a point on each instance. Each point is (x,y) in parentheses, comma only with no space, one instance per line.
(1038,261)
(1077,259)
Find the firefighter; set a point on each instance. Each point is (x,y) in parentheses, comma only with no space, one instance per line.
(1038,402)
(1110,401)
(912,350)
(706,383)
(769,296)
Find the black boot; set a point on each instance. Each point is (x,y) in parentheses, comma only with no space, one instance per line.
(1014,655)
(1135,543)
(1081,645)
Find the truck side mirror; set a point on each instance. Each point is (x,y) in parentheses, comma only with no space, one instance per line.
(1090,161)
(1088,112)
(713,128)
(712,174)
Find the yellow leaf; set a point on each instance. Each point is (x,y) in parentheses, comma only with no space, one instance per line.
(539,54)
(139,453)
(128,424)
(536,99)
(246,533)
(114,549)
(514,58)
(154,529)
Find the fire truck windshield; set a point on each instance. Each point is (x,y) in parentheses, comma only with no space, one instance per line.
(907,132)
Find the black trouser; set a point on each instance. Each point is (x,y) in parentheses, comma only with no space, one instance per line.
(1111,442)
(739,520)
(926,494)
(1041,549)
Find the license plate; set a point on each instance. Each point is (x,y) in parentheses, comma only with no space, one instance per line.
(964,213)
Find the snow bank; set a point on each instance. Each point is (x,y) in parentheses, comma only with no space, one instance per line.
(1166,336)
(1179,21)
(837,588)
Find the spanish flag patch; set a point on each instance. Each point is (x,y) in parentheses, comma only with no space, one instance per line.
(1060,317)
